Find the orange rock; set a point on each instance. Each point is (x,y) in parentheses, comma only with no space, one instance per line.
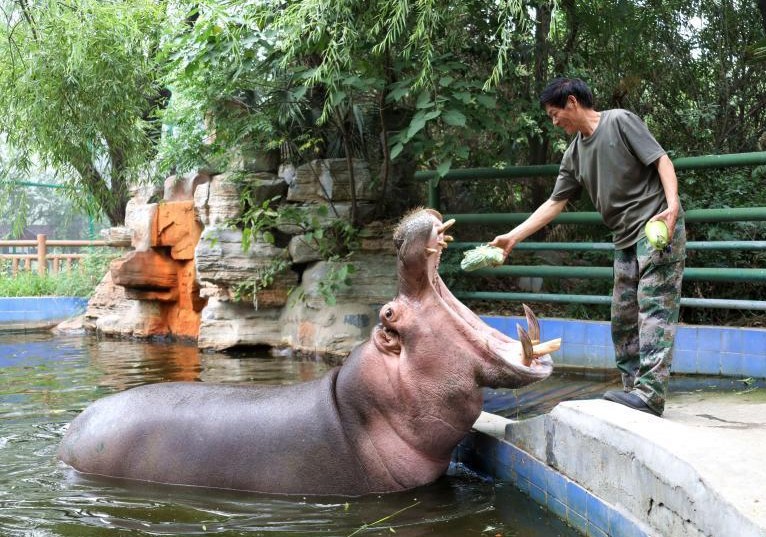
(188,287)
(148,270)
(165,274)
(182,323)
(171,295)
(177,227)
(306,334)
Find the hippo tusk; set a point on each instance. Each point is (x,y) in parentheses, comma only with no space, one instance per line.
(446,225)
(449,238)
(546,347)
(526,345)
(532,324)
(443,244)
(430,251)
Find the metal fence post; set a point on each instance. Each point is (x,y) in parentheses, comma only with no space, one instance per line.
(433,193)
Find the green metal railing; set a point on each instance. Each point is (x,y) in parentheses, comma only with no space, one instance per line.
(750,275)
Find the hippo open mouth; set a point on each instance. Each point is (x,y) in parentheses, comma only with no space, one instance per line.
(420,239)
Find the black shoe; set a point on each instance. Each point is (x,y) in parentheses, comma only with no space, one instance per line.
(631,400)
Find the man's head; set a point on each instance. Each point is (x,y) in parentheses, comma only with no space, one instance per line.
(558,91)
(567,102)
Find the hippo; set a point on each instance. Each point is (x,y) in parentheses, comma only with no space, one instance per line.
(386,420)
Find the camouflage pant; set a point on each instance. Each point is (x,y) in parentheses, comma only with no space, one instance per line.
(645,304)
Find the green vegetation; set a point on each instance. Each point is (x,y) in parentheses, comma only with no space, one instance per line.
(80,94)
(405,84)
(74,282)
(333,240)
(110,93)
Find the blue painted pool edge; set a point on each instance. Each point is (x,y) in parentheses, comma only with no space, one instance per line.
(699,350)
(20,312)
(585,512)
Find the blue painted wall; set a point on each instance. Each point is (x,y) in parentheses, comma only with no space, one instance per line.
(704,350)
(38,310)
(578,507)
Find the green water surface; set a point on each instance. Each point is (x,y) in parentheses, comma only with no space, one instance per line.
(46,380)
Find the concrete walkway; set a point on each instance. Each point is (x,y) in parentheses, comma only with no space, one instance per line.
(698,471)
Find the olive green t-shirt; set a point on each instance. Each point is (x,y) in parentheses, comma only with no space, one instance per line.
(615,165)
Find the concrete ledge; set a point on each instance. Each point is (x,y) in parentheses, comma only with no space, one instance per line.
(25,313)
(611,471)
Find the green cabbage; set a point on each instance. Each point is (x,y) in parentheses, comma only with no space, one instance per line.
(482,256)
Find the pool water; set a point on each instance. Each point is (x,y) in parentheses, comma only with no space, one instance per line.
(46,380)
(540,398)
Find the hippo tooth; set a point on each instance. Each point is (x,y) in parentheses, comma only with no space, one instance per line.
(443,244)
(532,324)
(446,225)
(526,345)
(449,238)
(430,251)
(546,347)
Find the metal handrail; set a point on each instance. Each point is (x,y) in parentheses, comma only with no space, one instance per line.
(693,216)
(600,273)
(609,247)
(715,274)
(702,162)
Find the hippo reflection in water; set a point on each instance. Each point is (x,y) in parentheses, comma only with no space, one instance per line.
(388,419)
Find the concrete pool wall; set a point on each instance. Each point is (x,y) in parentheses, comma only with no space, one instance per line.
(699,350)
(609,471)
(27,313)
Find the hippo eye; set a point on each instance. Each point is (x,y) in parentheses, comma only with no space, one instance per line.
(389,314)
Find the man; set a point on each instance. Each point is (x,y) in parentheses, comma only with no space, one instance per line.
(630,180)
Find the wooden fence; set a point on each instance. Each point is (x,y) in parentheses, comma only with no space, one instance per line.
(43,260)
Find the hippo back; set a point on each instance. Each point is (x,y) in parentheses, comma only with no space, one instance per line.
(286,439)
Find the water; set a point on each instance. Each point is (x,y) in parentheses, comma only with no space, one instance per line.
(540,398)
(45,381)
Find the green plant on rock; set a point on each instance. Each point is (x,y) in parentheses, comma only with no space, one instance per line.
(257,220)
(334,239)
(263,278)
(336,278)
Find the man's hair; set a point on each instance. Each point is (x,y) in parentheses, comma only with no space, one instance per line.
(558,91)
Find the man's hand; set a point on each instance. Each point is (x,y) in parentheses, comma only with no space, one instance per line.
(543,215)
(669,216)
(505,242)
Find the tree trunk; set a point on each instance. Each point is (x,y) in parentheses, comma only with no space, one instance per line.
(111,202)
(119,186)
(539,146)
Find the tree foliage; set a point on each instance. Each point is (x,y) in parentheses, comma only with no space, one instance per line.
(406,84)
(79,92)
(384,80)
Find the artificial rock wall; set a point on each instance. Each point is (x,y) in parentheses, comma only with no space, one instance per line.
(186,259)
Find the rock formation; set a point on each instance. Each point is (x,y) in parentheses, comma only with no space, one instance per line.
(181,277)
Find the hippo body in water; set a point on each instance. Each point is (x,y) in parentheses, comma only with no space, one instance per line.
(388,419)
